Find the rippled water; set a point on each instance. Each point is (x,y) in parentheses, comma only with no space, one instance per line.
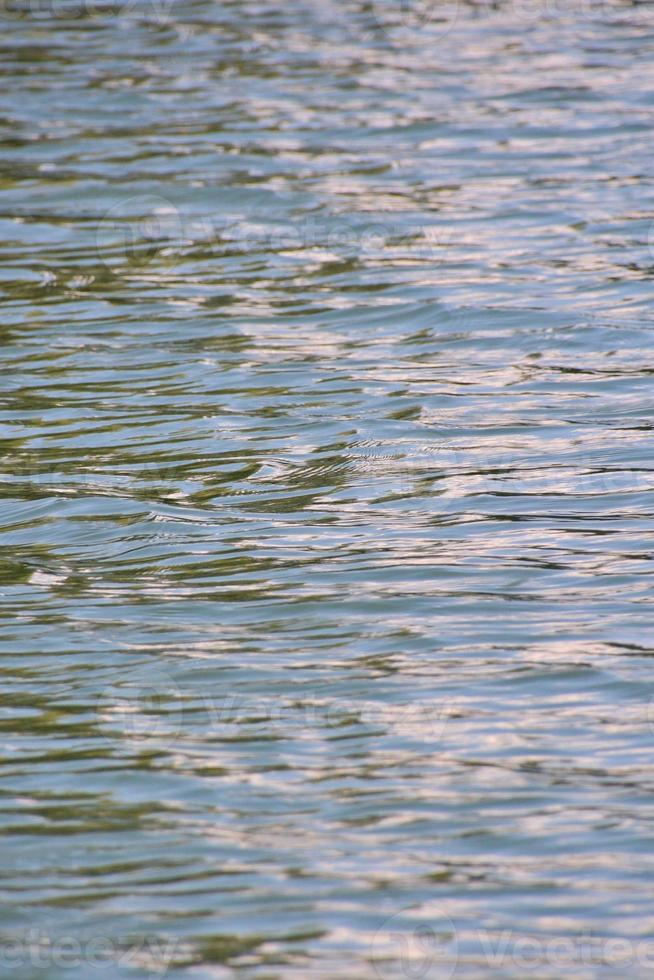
(326,472)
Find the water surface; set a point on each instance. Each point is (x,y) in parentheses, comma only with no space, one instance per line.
(326,471)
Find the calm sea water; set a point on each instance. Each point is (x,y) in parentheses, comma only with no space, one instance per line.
(326,473)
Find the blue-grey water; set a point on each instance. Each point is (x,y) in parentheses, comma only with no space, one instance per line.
(326,475)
